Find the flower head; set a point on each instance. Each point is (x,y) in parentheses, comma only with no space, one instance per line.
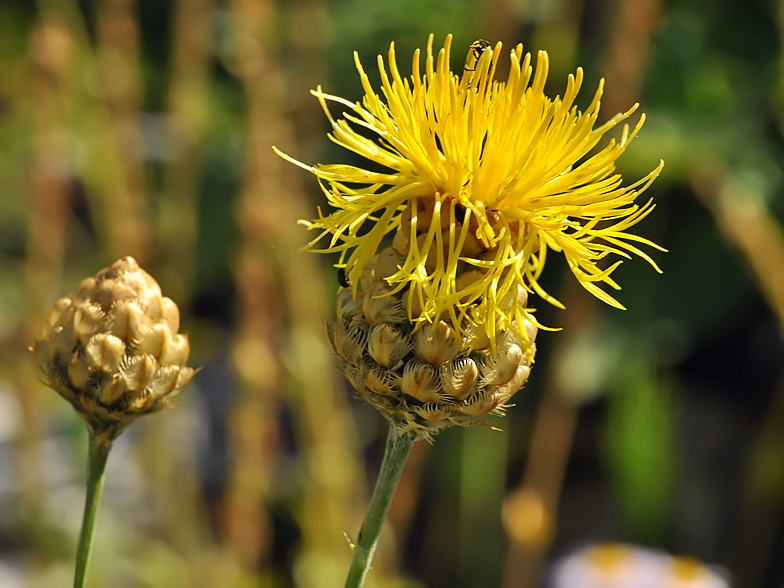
(112,349)
(484,178)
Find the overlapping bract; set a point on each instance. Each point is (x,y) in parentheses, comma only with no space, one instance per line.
(428,378)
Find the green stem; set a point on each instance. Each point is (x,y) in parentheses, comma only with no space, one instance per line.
(98,452)
(398,447)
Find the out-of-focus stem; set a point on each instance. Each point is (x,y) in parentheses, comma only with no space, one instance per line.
(117,60)
(277,283)
(118,210)
(750,227)
(98,453)
(173,474)
(538,494)
(47,213)
(188,118)
(780,23)
(530,510)
(254,423)
(627,52)
(398,447)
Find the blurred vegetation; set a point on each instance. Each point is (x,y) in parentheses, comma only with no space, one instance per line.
(140,127)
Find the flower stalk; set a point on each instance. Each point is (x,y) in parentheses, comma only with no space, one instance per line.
(98,452)
(399,444)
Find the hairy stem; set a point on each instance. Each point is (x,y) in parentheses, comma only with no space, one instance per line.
(98,452)
(398,447)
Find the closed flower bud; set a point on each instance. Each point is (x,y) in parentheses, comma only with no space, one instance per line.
(112,349)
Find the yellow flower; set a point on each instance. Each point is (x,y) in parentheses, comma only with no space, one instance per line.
(484,175)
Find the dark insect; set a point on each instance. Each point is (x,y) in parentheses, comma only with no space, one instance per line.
(460,213)
(475,52)
(343,278)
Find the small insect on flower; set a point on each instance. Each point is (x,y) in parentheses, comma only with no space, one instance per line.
(474,53)
(342,279)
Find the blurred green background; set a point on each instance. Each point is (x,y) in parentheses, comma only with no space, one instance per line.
(143,128)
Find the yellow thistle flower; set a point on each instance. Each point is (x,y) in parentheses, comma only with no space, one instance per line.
(485,175)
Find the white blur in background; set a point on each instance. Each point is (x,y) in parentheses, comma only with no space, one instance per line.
(615,565)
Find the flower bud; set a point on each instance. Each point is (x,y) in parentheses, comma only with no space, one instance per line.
(112,349)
